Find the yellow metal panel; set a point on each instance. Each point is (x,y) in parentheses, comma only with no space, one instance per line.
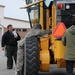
(53,17)
(44,43)
(44,60)
(41,15)
(53,22)
(44,55)
(61,63)
(59,49)
(52,39)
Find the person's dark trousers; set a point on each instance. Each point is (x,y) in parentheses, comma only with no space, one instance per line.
(11,53)
(69,67)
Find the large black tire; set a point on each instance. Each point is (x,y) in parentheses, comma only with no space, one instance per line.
(31,56)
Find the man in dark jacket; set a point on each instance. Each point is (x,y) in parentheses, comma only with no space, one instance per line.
(9,42)
(68,40)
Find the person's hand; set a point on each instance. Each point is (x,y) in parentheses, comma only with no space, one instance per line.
(3,48)
(44,36)
(15,36)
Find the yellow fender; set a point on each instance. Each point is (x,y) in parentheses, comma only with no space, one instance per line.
(44,55)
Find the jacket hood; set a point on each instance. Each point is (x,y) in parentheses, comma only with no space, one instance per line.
(72,29)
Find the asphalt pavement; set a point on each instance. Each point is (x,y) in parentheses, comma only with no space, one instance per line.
(3,67)
(4,71)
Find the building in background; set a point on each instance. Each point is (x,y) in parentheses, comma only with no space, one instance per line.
(21,26)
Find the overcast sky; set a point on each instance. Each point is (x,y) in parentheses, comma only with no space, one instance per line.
(12,9)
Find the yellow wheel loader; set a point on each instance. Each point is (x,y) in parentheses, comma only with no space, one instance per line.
(53,15)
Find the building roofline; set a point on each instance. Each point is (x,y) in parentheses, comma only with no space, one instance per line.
(2,6)
(15,19)
(2,25)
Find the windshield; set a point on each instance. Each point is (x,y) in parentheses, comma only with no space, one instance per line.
(33,12)
(47,2)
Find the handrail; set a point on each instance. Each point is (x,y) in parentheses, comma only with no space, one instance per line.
(31,4)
